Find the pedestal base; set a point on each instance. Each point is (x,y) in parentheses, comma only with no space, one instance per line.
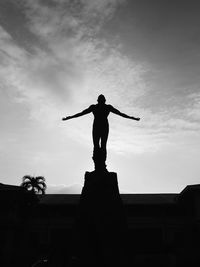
(101,220)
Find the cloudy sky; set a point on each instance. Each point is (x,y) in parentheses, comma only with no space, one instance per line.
(57,56)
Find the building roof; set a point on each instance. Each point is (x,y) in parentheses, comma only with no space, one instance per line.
(8,187)
(128,199)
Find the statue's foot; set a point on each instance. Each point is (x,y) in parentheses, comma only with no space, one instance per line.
(101,169)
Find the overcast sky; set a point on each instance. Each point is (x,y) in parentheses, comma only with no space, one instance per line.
(57,56)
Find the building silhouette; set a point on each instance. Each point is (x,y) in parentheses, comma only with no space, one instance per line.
(162,229)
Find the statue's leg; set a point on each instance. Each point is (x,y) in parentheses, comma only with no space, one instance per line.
(96,140)
(104,139)
(100,136)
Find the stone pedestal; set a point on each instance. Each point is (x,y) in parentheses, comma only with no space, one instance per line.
(101,224)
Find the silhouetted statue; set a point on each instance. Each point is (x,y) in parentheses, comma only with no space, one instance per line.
(100,128)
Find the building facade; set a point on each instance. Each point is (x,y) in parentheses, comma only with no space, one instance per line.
(162,229)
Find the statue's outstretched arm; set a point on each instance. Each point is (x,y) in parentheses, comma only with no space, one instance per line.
(117,112)
(84,112)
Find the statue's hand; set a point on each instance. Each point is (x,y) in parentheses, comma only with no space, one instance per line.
(136,119)
(66,118)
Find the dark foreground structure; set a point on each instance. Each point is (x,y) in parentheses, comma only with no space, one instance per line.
(100,227)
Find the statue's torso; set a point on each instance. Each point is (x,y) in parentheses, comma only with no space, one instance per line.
(101,113)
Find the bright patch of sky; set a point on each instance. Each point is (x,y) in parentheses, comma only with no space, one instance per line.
(57,56)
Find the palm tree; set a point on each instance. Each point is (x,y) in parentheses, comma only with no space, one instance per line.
(36,185)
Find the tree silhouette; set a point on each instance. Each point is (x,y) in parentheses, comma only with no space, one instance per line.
(35,184)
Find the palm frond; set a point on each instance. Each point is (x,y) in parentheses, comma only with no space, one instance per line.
(27,177)
(43,184)
(35,184)
(25,183)
(38,178)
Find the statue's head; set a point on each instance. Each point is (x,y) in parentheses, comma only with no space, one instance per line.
(101,99)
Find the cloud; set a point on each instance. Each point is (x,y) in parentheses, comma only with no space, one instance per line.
(56,70)
(64,189)
(72,65)
(193,111)
(8,48)
(74,19)
(73,61)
